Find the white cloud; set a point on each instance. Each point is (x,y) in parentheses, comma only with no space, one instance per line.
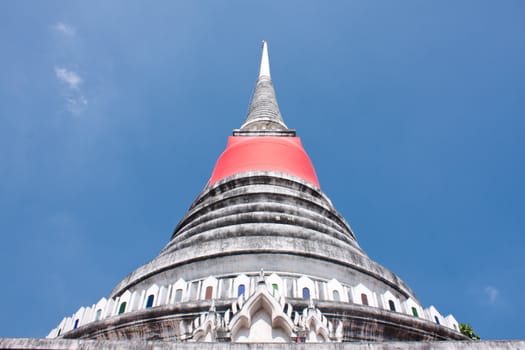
(492,293)
(64,29)
(75,100)
(70,77)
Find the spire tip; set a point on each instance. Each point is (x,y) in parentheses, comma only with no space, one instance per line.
(265,61)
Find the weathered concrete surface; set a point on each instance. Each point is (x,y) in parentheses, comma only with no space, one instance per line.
(270,221)
(258,212)
(79,344)
(360,323)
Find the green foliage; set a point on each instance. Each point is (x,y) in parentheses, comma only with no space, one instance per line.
(466,329)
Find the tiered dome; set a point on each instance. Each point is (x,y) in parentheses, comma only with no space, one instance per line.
(262,255)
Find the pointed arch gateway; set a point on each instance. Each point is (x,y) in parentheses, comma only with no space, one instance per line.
(261,319)
(316,327)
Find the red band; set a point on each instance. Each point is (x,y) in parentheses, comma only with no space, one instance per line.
(281,154)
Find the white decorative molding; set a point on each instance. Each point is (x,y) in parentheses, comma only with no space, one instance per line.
(168,294)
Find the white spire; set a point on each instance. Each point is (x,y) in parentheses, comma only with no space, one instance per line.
(263,114)
(265,61)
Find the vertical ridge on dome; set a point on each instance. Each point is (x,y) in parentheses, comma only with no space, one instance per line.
(264,116)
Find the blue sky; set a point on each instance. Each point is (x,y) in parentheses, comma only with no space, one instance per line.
(113,113)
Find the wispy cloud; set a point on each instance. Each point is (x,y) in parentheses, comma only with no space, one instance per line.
(76,104)
(492,294)
(64,29)
(70,77)
(75,100)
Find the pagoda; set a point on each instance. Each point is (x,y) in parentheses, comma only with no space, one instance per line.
(261,256)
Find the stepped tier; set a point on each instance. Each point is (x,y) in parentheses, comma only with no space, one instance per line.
(263,220)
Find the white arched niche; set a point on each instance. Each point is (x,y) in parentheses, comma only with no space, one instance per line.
(261,320)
